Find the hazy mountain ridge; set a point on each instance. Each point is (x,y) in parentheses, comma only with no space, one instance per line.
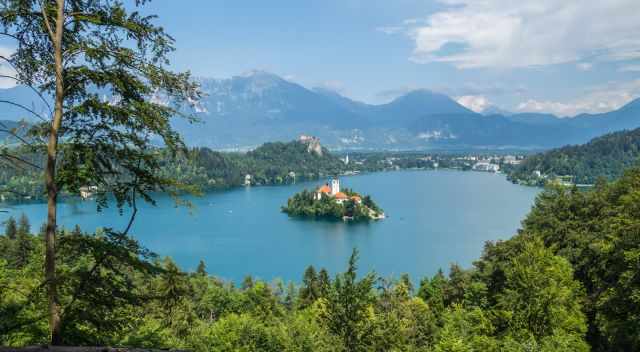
(245,111)
(261,106)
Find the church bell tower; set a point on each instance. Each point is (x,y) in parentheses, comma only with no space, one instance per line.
(335,186)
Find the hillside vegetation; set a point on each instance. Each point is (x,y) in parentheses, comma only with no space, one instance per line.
(203,168)
(607,156)
(568,281)
(271,163)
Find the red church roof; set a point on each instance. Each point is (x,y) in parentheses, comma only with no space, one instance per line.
(324,189)
(341,195)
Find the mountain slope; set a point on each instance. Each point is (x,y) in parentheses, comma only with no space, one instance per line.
(9,129)
(245,111)
(24,96)
(606,156)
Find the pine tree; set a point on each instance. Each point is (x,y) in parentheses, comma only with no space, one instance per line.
(309,291)
(406,281)
(202,268)
(24,227)
(347,306)
(324,282)
(10,228)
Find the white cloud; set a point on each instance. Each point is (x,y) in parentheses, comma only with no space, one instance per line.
(390,29)
(630,68)
(6,69)
(603,98)
(506,33)
(477,103)
(584,66)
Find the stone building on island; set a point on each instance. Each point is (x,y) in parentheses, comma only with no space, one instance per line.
(332,190)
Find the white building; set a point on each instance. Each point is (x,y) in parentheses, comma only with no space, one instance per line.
(486,166)
(511,159)
(87,192)
(333,190)
(335,186)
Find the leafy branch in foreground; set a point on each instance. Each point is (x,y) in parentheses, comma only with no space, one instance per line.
(105,69)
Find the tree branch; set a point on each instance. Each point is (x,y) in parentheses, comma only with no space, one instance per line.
(46,21)
(25,108)
(2,57)
(13,157)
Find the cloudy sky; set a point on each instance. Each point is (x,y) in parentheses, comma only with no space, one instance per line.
(559,56)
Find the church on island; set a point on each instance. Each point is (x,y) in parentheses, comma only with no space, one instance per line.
(333,191)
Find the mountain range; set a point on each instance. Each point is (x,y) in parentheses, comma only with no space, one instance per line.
(247,110)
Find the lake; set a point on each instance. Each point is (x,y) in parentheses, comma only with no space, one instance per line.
(434,218)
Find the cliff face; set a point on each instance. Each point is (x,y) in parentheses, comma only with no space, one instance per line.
(313,144)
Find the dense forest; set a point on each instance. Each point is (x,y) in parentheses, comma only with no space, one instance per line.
(607,156)
(567,281)
(271,163)
(205,169)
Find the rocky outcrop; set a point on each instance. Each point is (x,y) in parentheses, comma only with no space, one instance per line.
(313,144)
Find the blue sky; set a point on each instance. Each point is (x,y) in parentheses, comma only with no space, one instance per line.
(564,57)
(560,56)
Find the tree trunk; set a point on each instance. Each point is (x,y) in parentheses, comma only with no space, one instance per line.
(51,186)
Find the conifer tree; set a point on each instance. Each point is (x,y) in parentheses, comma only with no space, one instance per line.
(347,306)
(324,282)
(76,52)
(10,228)
(201,269)
(310,290)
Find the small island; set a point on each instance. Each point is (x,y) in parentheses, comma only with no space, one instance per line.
(330,202)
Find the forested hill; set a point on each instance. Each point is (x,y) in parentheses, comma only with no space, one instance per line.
(607,156)
(271,163)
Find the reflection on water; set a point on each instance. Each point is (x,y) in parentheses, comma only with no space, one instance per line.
(435,218)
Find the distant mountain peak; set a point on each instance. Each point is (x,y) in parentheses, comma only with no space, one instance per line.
(326,91)
(425,102)
(495,110)
(260,75)
(634,104)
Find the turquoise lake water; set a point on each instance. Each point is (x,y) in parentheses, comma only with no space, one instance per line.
(435,218)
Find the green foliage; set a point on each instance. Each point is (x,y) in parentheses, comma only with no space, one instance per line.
(202,168)
(568,281)
(106,50)
(305,204)
(465,330)
(597,232)
(347,311)
(540,299)
(10,228)
(607,157)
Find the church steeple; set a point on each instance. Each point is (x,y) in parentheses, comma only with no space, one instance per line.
(335,186)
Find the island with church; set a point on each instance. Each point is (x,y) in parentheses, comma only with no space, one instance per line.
(330,202)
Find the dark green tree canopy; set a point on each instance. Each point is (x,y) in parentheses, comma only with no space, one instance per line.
(119,96)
